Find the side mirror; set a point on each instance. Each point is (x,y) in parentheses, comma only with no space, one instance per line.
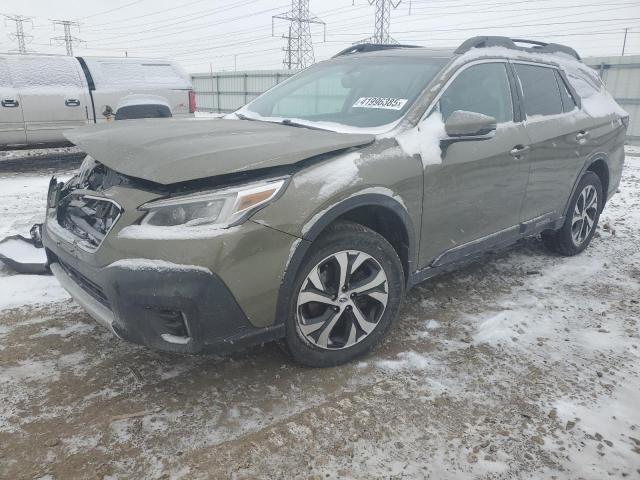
(465,125)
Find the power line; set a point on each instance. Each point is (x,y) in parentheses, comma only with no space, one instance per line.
(67,39)
(299,44)
(104,12)
(19,35)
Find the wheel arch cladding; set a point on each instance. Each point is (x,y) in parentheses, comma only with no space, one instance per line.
(379,212)
(601,169)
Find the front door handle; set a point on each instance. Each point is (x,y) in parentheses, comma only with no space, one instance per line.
(518,151)
(72,102)
(582,136)
(9,103)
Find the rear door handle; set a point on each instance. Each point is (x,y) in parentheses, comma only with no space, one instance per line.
(9,103)
(72,102)
(518,151)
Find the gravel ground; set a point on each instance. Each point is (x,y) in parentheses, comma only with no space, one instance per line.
(524,365)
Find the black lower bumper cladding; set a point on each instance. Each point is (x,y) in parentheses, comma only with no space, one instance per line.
(165,306)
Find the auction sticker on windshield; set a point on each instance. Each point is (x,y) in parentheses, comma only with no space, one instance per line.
(380,102)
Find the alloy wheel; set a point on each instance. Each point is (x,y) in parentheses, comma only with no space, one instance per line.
(584,215)
(342,300)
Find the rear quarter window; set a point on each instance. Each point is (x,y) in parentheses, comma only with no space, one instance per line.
(568,102)
(539,90)
(137,75)
(584,84)
(44,72)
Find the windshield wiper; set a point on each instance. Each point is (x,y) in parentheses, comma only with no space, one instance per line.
(242,116)
(291,123)
(286,121)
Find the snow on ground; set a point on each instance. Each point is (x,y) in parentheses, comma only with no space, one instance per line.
(22,203)
(524,365)
(209,115)
(632,150)
(37,152)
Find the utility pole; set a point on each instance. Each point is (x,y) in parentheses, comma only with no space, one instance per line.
(624,42)
(299,46)
(383,21)
(19,35)
(68,39)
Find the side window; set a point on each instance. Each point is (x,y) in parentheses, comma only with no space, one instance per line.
(482,88)
(42,72)
(539,89)
(568,103)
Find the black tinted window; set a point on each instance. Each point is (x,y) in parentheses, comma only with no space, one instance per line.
(481,88)
(539,89)
(568,103)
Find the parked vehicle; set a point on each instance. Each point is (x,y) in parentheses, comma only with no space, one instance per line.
(308,213)
(43,96)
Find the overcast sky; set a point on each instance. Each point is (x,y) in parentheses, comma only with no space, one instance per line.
(199,32)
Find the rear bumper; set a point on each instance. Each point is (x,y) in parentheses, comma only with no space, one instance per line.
(166,306)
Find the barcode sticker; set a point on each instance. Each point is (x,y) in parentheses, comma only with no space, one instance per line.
(380,102)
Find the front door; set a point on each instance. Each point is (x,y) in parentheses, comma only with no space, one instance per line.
(54,96)
(473,197)
(11,120)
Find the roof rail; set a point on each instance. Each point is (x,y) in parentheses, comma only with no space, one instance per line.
(510,43)
(371,47)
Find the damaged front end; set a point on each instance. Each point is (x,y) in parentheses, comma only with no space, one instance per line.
(87,218)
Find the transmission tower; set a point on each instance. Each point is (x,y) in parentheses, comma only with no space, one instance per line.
(19,35)
(383,20)
(298,52)
(67,39)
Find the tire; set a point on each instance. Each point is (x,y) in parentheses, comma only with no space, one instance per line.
(365,311)
(575,235)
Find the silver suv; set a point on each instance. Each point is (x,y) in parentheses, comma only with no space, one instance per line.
(309,212)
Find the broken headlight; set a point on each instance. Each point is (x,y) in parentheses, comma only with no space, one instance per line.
(224,208)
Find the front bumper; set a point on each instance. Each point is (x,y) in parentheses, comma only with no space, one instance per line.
(170,304)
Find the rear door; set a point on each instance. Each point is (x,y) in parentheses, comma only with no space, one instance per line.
(11,120)
(472,199)
(54,95)
(559,133)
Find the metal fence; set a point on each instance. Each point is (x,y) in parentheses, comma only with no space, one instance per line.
(223,92)
(621,75)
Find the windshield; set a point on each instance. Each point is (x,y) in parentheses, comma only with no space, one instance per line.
(355,92)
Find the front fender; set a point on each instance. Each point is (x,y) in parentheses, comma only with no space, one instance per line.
(371,197)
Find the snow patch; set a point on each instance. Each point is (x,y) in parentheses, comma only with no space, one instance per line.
(409,360)
(22,252)
(335,176)
(26,290)
(424,140)
(178,232)
(145,264)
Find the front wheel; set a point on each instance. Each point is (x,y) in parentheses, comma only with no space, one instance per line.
(346,296)
(582,218)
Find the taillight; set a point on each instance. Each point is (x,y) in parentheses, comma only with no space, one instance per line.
(192,101)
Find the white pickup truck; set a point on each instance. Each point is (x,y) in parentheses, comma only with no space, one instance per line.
(41,96)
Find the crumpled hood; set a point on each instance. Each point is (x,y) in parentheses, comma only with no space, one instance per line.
(169,151)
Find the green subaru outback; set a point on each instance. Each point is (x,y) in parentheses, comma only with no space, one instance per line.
(308,213)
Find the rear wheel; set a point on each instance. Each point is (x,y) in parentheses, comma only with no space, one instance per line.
(347,294)
(582,218)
